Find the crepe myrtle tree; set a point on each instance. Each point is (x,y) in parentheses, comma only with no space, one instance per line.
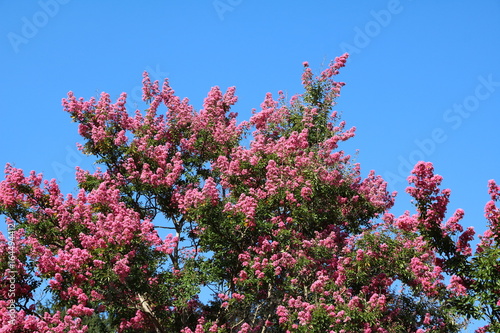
(284,231)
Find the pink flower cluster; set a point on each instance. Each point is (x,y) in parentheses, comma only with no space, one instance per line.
(81,231)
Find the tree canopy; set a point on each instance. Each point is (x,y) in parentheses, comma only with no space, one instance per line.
(283,232)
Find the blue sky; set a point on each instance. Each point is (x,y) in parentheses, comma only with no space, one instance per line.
(423,79)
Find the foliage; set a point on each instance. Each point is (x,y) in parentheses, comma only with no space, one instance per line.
(285,232)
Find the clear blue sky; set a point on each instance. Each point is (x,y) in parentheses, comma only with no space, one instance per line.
(423,79)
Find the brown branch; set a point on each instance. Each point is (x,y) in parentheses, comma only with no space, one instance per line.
(144,306)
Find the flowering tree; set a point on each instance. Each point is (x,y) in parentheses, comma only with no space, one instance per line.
(284,232)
